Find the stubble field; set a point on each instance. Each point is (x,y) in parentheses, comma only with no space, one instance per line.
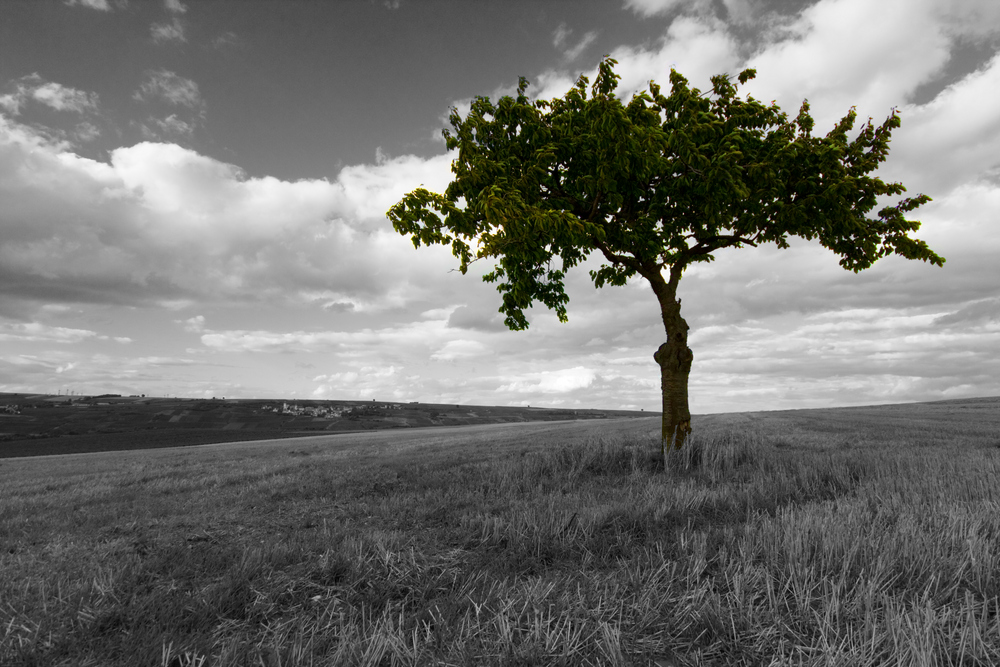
(863,536)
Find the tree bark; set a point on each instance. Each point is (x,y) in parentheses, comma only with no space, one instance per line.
(674,358)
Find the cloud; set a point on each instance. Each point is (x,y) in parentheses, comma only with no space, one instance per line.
(560,35)
(166,85)
(160,223)
(53,95)
(804,58)
(560,39)
(270,341)
(588,39)
(348,377)
(175,6)
(225,40)
(67,368)
(479,317)
(36,332)
(954,138)
(364,382)
(552,382)
(800,55)
(165,32)
(62,98)
(26,94)
(697,49)
(373,189)
(880,354)
(460,349)
(102,5)
(195,324)
(425,335)
(480,363)
(163,361)
(652,7)
(970,18)
(170,127)
(975,313)
(86,132)
(735,10)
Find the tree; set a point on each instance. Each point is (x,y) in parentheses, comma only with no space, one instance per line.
(653,186)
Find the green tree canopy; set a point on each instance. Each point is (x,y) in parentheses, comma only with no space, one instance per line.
(653,186)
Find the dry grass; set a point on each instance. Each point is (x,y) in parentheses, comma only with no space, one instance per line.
(775,539)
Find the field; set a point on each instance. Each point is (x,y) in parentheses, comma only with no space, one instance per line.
(862,536)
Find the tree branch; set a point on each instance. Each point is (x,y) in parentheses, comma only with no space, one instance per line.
(593,209)
(624,260)
(713,243)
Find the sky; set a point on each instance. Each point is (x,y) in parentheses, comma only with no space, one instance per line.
(193,198)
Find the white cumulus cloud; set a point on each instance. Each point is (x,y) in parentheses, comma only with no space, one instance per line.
(954,138)
(163,223)
(806,58)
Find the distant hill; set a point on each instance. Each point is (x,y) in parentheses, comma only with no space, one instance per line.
(42,424)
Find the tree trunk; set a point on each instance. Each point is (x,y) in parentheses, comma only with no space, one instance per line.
(674,358)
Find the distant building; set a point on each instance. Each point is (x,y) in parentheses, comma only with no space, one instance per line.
(323,411)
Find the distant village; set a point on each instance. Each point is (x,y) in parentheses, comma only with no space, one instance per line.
(329,411)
